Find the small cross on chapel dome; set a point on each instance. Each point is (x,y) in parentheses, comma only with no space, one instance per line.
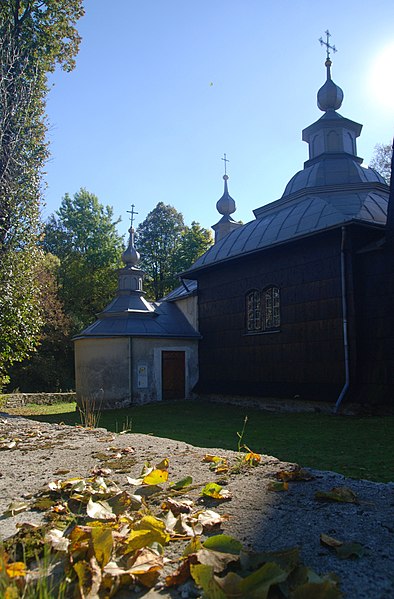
(225,160)
(132,214)
(327,45)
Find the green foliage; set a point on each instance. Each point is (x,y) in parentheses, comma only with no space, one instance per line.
(83,236)
(35,35)
(51,366)
(168,247)
(381,160)
(20,309)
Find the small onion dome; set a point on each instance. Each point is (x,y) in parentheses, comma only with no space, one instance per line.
(330,96)
(226,204)
(130,256)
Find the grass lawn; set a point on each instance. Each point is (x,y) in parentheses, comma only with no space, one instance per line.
(359,447)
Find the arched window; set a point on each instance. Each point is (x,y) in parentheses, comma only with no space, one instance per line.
(262,310)
(271,308)
(253,311)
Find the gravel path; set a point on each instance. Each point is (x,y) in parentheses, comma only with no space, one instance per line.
(261,519)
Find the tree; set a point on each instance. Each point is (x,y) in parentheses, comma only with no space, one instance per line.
(83,235)
(50,368)
(381,160)
(35,36)
(167,247)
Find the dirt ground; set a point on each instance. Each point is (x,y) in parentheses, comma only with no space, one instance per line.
(258,517)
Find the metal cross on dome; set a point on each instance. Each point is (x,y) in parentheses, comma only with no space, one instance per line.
(132,213)
(225,163)
(327,44)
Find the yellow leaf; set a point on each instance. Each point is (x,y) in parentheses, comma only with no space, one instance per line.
(212,458)
(252,458)
(156,477)
(148,530)
(102,543)
(163,465)
(16,569)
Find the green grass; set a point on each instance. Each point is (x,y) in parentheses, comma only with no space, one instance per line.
(359,447)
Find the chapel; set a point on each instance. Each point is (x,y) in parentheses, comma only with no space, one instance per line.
(297,303)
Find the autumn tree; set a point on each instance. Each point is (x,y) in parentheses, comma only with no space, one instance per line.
(50,368)
(381,160)
(168,247)
(83,235)
(35,36)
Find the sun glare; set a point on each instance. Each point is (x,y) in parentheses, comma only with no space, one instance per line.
(381,79)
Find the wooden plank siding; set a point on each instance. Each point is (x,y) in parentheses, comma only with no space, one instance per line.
(374,276)
(305,357)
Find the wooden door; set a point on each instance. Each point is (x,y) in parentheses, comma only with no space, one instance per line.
(173,374)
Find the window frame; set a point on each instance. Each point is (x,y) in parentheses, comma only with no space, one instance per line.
(263,310)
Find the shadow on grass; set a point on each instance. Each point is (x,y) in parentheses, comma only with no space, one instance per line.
(360,447)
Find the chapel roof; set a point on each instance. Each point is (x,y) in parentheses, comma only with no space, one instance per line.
(333,189)
(131,314)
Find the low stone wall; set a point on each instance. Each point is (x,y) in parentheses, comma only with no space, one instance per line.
(15,400)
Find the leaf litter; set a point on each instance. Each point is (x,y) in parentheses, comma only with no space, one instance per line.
(127,541)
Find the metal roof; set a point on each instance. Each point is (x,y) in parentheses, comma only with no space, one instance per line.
(188,288)
(165,320)
(292,217)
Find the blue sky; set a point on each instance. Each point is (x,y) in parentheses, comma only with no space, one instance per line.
(163,88)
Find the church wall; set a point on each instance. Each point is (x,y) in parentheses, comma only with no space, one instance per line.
(106,375)
(304,357)
(189,308)
(147,353)
(375,325)
(102,371)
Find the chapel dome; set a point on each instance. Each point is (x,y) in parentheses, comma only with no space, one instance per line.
(329,171)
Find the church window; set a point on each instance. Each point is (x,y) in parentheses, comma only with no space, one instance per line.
(253,311)
(271,319)
(263,310)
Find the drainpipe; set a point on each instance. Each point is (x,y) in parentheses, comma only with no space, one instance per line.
(344,324)
(130,372)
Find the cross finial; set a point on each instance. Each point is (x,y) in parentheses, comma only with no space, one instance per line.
(327,44)
(225,163)
(132,213)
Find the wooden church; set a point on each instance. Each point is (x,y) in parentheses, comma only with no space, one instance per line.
(298,303)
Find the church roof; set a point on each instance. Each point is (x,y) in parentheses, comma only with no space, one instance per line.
(281,222)
(332,190)
(165,320)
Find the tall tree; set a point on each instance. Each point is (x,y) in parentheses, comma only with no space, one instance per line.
(167,247)
(83,235)
(35,36)
(381,160)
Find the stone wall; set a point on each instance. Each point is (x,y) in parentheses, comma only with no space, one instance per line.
(15,400)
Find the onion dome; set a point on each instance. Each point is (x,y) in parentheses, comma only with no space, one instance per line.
(130,256)
(226,204)
(330,95)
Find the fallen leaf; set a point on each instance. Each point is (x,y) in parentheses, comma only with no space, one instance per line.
(181,484)
(275,485)
(323,590)
(15,507)
(203,577)
(298,474)
(99,510)
(258,584)
(156,477)
(216,492)
(340,494)
(177,507)
(330,541)
(216,559)
(223,543)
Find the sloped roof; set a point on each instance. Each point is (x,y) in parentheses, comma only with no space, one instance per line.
(165,320)
(186,290)
(294,217)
